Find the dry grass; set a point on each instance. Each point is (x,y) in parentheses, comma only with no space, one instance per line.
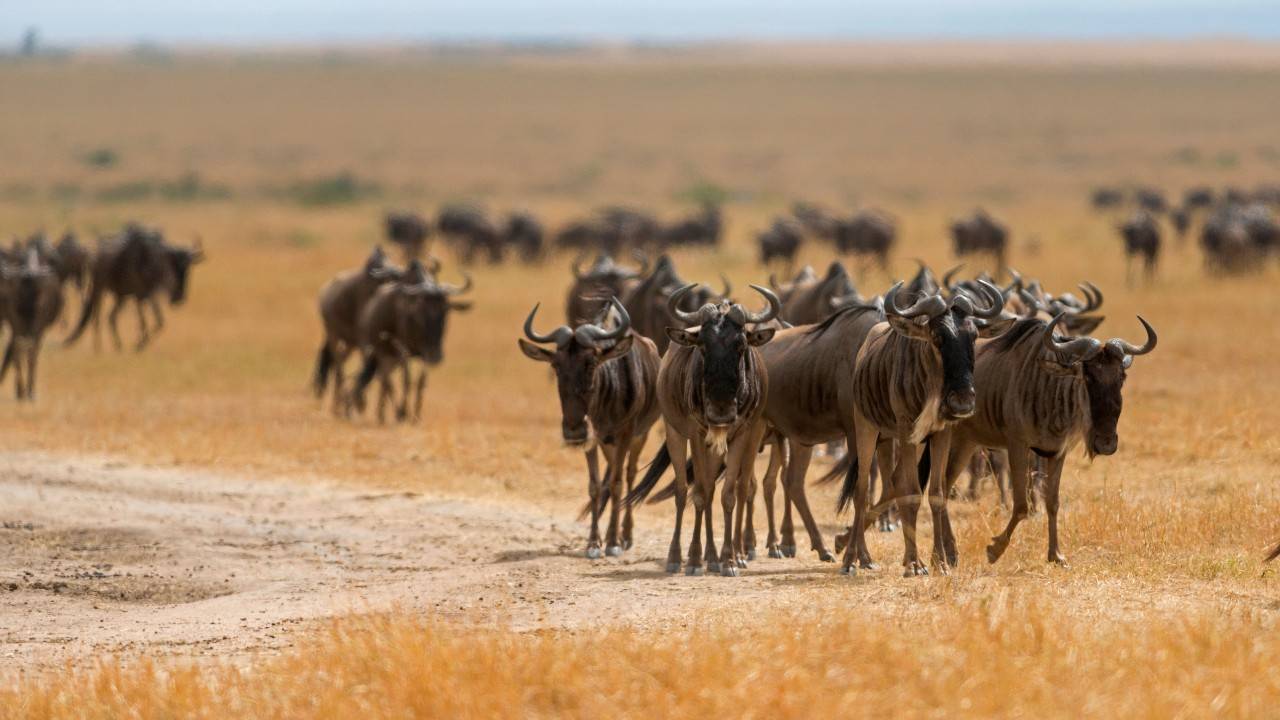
(1166,611)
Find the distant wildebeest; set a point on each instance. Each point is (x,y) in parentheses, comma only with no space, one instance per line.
(1151,199)
(408,231)
(1233,195)
(809,299)
(913,379)
(1039,396)
(32,302)
(701,228)
(68,259)
(593,287)
(1198,198)
(646,301)
(1105,198)
(139,265)
(815,220)
(1141,236)
(524,234)
(472,232)
(403,322)
(623,227)
(606,378)
(712,388)
(869,233)
(780,242)
(1235,238)
(1180,219)
(980,233)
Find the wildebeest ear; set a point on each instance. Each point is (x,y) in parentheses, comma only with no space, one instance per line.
(909,327)
(1084,325)
(1056,368)
(682,337)
(756,338)
(998,326)
(533,352)
(459,305)
(620,348)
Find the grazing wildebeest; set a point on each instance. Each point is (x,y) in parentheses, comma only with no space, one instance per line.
(646,301)
(606,379)
(1151,199)
(32,303)
(524,233)
(912,379)
(702,228)
(1039,396)
(815,220)
(408,231)
(810,301)
(404,321)
(712,388)
(593,287)
(869,233)
(1104,198)
(472,232)
(780,242)
(137,264)
(1141,239)
(980,233)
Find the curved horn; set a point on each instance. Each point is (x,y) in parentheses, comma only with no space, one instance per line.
(931,305)
(643,259)
(1015,285)
(769,313)
(1032,303)
(456,290)
(1077,349)
(995,302)
(728,286)
(432,264)
(773,282)
(1092,296)
(591,334)
(946,277)
(1131,349)
(697,317)
(559,336)
(576,267)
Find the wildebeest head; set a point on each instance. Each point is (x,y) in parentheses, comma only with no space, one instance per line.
(951,327)
(723,341)
(578,353)
(1103,367)
(424,309)
(180,262)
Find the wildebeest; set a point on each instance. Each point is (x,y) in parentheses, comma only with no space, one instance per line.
(402,322)
(712,388)
(809,299)
(472,232)
(1150,199)
(780,242)
(1141,236)
(593,287)
(139,265)
(623,227)
(1105,198)
(1234,238)
(815,220)
(524,234)
(868,233)
(1180,219)
(1198,198)
(701,228)
(646,300)
(408,231)
(1039,396)
(32,301)
(606,379)
(912,379)
(980,233)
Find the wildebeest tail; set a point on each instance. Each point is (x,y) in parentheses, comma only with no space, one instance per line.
(87,308)
(669,491)
(659,465)
(850,487)
(841,467)
(8,360)
(324,363)
(1275,552)
(367,371)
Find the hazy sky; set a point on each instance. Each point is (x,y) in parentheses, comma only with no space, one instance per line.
(70,22)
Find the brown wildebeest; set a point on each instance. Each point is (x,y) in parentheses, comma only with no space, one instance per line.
(781,241)
(1141,237)
(472,232)
(32,303)
(815,220)
(593,287)
(408,231)
(1151,199)
(646,301)
(138,264)
(712,388)
(980,233)
(701,228)
(913,378)
(1041,395)
(869,233)
(1105,198)
(1180,219)
(811,301)
(402,322)
(606,380)
(524,234)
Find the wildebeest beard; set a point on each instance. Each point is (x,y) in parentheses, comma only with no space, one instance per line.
(955,344)
(723,347)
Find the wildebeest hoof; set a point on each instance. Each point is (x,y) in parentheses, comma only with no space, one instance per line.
(941,566)
(613,550)
(713,566)
(888,526)
(774,552)
(994,551)
(825,555)
(593,552)
(789,551)
(868,565)
(693,570)
(1058,560)
(673,568)
(751,555)
(626,544)
(729,570)
(741,562)
(849,570)
(915,569)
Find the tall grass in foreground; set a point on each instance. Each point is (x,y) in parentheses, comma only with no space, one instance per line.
(1000,656)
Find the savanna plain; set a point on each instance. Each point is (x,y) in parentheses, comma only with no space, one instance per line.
(187,532)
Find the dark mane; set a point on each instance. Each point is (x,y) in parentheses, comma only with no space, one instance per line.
(1013,335)
(849,311)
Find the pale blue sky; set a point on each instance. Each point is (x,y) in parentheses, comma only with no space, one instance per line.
(79,22)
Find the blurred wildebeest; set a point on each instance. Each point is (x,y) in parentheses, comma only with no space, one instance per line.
(1039,396)
(646,301)
(1236,238)
(137,264)
(712,388)
(583,235)
(868,233)
(780,242)
(1141,236)
(815,220)
(524,234)
(1180,219)
(623,227)
(980,233)
(473,233)
(1151,199)
(1198,198)
(606,378)
(1105,198)
(1267,194)
(593,287)
(32,301)
(68,259)
(1079,320)
(408,231)
(701,228)
(402,322)
(1233,195)
(809,299)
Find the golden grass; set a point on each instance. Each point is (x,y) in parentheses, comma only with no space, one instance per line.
(1166,611)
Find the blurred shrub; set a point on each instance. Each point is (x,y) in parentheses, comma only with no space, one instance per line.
(334,190)
(132,191)
(704,192)
(102,158)
(190,187)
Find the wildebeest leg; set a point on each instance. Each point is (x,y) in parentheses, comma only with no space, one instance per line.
(676,448)
(112,317)
(633,459)
(386,390)
(19,361)
(788,530)
(862,442)
(712,462)
(593,492)
(406,384)
(155,309)
(882,466)
(421,387)
(999,461)
(1018,484)
(33,357)
(341,403)
(144,335)
(770,486)
(944,543)
(1051,485)
(738,469)
(797,465)
(694,564)
(1035,483)
(960,457)
(908,498)
(617,458)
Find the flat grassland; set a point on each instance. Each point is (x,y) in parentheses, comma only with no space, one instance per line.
(283,165)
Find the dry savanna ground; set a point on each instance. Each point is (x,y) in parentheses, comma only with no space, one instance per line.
(190,534)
